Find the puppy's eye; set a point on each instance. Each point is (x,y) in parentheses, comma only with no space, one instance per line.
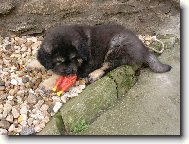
(80,60)
(72,56)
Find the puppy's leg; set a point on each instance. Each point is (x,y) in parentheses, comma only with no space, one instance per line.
(98,73)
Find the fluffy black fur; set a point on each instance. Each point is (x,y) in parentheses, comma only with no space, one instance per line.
(81,49)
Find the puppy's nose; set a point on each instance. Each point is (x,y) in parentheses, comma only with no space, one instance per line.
(67,71)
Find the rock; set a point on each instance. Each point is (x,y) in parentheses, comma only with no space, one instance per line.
(50,110)
(6,7)
(28,43)
(36,122)
(25,79)
(22,118)
(3,131)
(37,128)
(9,118)
(1,108)
(15,112)
(2,83)
(57,106)
(3,96)
(56,99)
(14,82)
(20,40)
(98,95)
(27,131)
(10,98)
(34,64)
(32,99)
(21,24)
(23,109)
(12,92)
(1,116)
(48,7)
(11,128)
(2,88)
(4,124)
(7,109)
(49,83)
(63,98)
(39,104)
(44,107)
(46,119)
(30,121)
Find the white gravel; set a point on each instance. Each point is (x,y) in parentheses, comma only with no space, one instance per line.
(26,106)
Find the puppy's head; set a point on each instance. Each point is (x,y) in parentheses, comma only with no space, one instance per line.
(61,55)
(66,64)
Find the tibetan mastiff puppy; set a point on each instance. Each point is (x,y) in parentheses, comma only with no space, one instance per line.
(91,51)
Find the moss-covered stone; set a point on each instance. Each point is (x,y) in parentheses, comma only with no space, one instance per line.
(80,111)
(169,40)
(95,98)
(124,77)
(53,127)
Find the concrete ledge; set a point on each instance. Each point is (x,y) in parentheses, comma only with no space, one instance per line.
(54,127)
(98,96)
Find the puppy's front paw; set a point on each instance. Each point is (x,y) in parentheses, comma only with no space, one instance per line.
(95,75)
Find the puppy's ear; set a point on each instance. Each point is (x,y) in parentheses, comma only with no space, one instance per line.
(44,58)
(82,48)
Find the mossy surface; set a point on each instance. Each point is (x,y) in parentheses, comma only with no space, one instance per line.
(96,97)
(54,127)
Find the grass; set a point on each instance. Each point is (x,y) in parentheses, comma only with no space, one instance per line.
(80,126)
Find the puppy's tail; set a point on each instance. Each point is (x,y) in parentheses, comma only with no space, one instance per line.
(155,65)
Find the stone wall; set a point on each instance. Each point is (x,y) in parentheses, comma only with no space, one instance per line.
(36,16)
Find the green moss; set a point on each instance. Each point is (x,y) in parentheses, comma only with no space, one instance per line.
(79,126)
(95,98)
(156,45)
(169,40)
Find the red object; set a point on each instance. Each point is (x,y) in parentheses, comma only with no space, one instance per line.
(64,82)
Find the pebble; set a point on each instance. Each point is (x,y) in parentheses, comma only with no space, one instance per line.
(12,92)
(46,119)
(9,118)
(27,131)
(10,98)
(15,112)
(4,124)
(39,104)
(23,109)
(25,79)
(44,107)
(2,88)
(2,83)
(37,128)
(14,82)
(1,116)
(63,99)
(57,106)
(56,99)
(32,99)
(3,131)
(11,128)
(25,106)
(36,122)
(7,109)
(30,121)
(1,108)
(22,117)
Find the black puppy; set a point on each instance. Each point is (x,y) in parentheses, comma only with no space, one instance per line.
(90,51)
